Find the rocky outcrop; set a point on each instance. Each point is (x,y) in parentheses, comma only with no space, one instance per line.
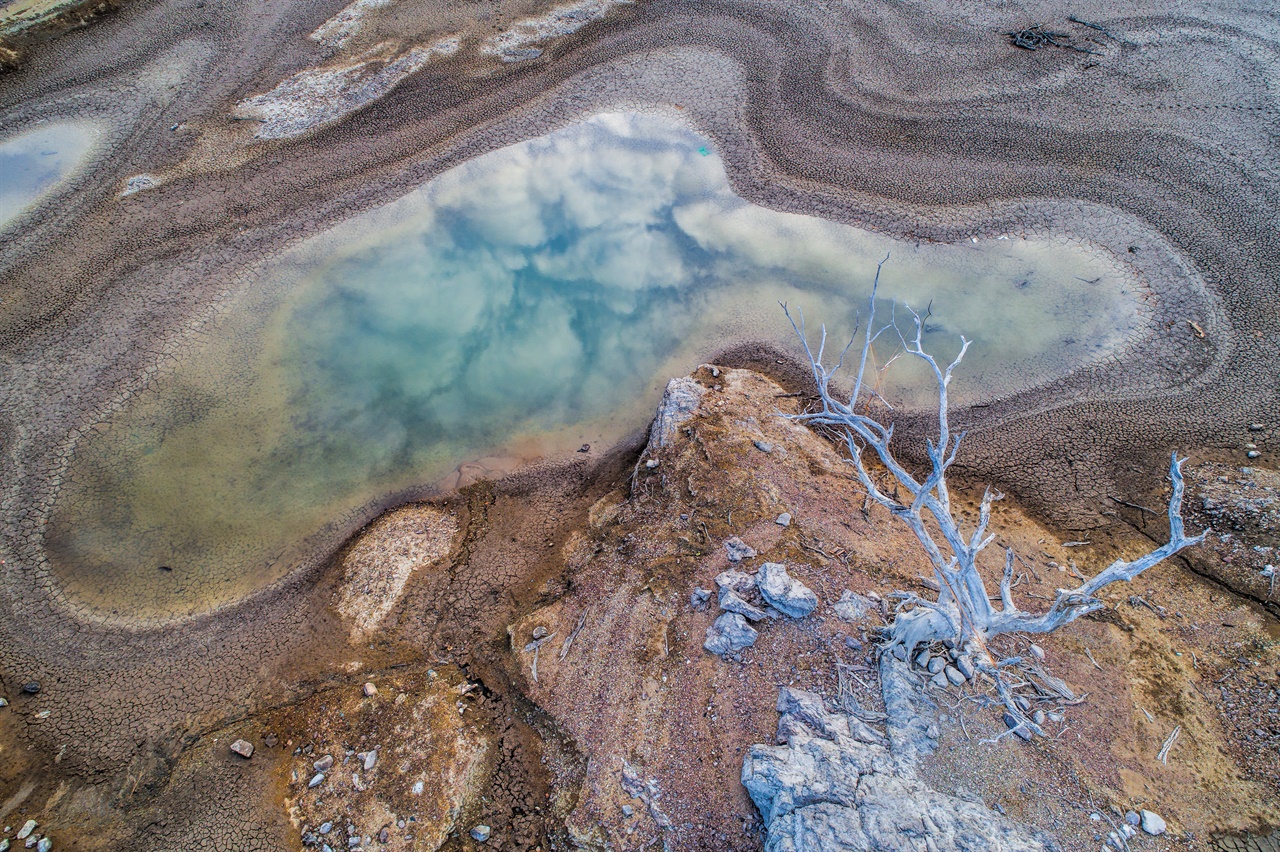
(679,401)
(832,786)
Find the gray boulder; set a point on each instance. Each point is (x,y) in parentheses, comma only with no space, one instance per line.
(826,791)
(785,593)
(730,632)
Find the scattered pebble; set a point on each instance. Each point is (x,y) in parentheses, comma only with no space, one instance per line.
(323,764)
(316,780)
(326,827)
(627,810)
(1256,427)
(965,664)
(44,845)
(783,520)
(370,690)
(244,748)
(1132,817)
(953,675)
(30,826)
(1152,823)
(651,464)
(764,446)
(1252,454)
(935,665)
(480,833)
(1037,652)
(698,600)
(31,687)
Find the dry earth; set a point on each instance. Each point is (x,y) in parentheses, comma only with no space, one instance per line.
(918,121)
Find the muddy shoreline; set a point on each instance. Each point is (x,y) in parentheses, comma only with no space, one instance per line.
(813,110)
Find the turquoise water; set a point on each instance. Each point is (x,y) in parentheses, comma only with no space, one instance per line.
(520,304)
(34,162)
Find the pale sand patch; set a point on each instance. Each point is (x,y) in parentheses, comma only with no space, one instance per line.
(320,96)
(518,42)
(380,562)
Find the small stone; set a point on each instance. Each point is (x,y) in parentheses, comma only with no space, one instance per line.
(627,810)
(271,741)
(4,844)
(1152,823)
(1132,817)
(852,643)
(852,606)
(1038,717)
(1015,724)
(44,845)
(650,464)
(3,703)
(965,664)
(323,764)
(1037,652)
(922,659)
(480,833)
(785,593)
(27,827)
(783,520)
(370,690)
(935,665)
(953,675)
(1256,427)
(739,582)
(385,834)
(728,633)
(731,601)
(1252,454)
(326,827)
(763,446)
(939,680)
(738,550)
(698,600)
(316,780)
(31,687)
(244,748)
(370,760)
(539,632)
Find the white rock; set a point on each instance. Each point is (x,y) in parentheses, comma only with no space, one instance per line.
(316,780)
(783,520)
(30,826)
(1152,823)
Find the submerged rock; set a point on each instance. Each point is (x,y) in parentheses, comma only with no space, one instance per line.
(730,632)
(785,593)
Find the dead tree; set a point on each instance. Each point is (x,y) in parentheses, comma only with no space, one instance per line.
(963,613)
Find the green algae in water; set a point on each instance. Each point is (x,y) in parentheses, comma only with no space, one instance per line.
(33,163)
(538,296)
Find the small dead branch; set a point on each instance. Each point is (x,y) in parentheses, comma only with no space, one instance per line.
(1163,756)
(1089,654)
(568,640)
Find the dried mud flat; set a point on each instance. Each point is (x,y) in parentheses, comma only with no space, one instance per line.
(923,123)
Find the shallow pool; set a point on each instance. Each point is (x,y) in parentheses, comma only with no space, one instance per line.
(531,299)
(35,162)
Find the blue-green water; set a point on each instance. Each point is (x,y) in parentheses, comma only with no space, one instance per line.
(530,299)
(34,162)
